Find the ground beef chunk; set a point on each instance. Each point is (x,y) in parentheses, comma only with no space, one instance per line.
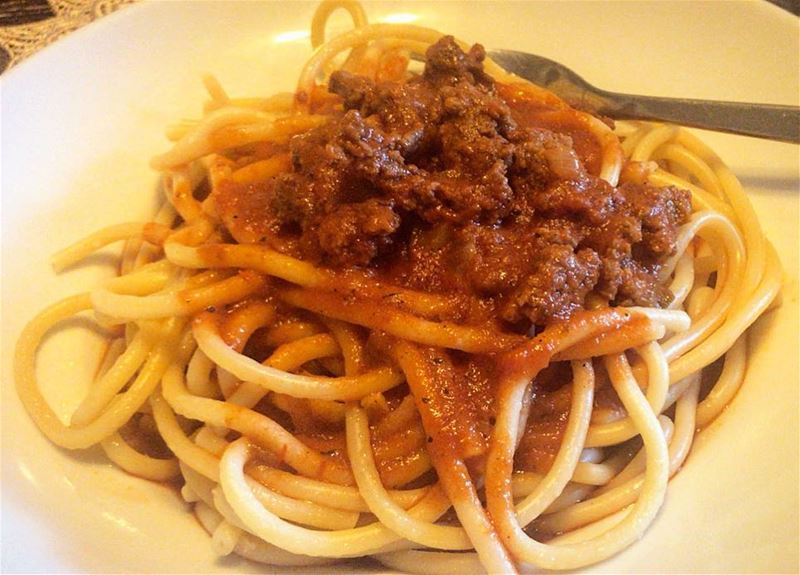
(353,89)
(449,181)
(446,64)
(355,233)
(660,210)
(588,201)
(556,286)
(539,157)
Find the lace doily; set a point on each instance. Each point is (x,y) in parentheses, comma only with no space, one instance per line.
(21,41)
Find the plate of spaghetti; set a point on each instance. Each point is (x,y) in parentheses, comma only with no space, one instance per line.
(377,304)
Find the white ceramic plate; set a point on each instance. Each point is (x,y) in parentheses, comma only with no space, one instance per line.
(81,119)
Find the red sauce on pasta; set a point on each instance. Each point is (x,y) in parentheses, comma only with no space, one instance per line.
(451,183)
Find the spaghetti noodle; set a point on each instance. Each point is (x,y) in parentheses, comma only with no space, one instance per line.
(321,398)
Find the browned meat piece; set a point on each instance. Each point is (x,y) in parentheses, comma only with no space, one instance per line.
(353,233)
(556,287)
(661,211)
(446,63)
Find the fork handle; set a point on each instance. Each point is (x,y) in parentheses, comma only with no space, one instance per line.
(760,120)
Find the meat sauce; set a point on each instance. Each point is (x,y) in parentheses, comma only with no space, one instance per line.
(451,182)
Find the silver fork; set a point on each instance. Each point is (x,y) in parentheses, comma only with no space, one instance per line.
(771,121)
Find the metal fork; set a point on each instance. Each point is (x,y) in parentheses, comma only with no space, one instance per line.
(771,121)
